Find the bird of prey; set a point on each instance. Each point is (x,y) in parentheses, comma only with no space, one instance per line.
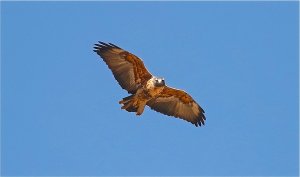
(146,89)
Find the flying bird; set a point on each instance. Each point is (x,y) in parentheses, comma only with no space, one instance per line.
(146,89)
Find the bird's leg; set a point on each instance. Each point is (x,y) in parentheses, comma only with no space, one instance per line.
(141,108)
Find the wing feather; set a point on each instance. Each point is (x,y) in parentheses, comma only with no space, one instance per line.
(177,103)
(128,69)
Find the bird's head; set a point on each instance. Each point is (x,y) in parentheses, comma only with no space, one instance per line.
(159,82)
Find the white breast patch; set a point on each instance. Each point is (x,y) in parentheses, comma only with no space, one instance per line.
(150,83)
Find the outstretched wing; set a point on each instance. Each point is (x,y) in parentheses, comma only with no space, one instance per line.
(127,68)
(177,103)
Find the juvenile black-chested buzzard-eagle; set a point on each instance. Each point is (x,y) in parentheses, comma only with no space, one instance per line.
(146,89)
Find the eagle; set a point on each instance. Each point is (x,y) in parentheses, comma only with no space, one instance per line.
(146,89)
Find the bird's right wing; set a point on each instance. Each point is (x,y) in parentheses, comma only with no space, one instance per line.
(127,68)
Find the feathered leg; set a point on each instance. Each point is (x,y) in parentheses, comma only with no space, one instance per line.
(141,108)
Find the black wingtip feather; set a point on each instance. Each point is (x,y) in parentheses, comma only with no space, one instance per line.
(200,120)
(102,46)
(114,45)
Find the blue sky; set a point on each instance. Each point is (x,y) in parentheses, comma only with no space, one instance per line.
(60,113)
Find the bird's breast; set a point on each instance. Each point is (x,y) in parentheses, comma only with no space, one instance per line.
(154,91)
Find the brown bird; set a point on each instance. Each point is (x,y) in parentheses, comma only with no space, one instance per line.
(146,89)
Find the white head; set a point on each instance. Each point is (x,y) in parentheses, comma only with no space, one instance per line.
(158,81)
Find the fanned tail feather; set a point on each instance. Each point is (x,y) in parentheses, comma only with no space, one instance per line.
(132,104)
(128,104)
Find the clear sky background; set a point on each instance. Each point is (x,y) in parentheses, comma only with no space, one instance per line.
(60,113)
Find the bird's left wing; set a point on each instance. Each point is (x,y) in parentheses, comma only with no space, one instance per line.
(177,103)
(127,68)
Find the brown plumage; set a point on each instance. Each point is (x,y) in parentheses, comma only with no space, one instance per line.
(146,89)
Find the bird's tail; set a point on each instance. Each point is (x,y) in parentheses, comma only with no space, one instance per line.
(132,104)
